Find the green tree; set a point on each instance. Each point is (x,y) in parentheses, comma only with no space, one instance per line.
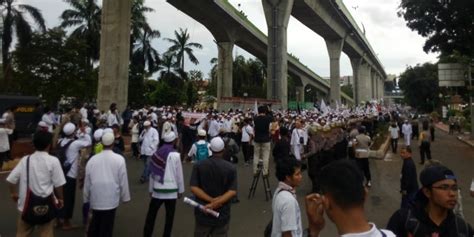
(85,16)
(447,24)
(14,20)
(48,63)
(348,90)
(181,47)
(420,86)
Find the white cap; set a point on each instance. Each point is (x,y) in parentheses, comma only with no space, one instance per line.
(169,137)
(147,123)
(98,134)
(84,120)
(108,130)
(108,139)
(202,133)
(217,144)
(43,124)
(69,128)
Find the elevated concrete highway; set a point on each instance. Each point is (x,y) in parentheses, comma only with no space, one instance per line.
(230,27)
(329,18)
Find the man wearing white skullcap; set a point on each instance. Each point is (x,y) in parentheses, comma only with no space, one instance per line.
(71,147)
(104,196)
(214,183)
(150,140)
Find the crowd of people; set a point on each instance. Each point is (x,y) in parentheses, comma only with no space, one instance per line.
(333,145)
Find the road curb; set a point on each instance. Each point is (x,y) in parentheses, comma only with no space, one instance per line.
(460,138)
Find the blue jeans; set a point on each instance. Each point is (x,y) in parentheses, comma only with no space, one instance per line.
(146,168)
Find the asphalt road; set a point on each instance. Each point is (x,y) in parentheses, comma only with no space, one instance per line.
(249,217)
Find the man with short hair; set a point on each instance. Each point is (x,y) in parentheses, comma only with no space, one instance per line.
(286,210)
(408,182)
(105,185)
(432,212)
(45,178)
(214,183)
(262,140)
(342,198)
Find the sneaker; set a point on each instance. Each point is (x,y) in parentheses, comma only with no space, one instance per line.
(369,184)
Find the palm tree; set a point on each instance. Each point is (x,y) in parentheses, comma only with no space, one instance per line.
(139,21)
(144,55)
(14,18)
(182,46)
(85,15)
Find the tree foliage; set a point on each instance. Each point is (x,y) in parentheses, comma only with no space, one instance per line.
(420,86)
(447,24)
(15,24)
(181,47)
(53,66)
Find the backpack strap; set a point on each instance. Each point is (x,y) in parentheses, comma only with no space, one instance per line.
(462,227)
(412,224)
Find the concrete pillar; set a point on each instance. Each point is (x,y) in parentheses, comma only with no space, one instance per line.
(365,83)
(372,83)
(114,54)
(377,87)
(277,15)
(300,94)
(356,65)
(382,87)
(334,49)
(224,69)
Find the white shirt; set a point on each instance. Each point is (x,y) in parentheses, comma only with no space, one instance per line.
(106,181)
(472,186)
(286,214)
(193,150)
(150,140)
(83,112)
(373,232)
(393,131)
(72,152)
(113,119)
(247,130)
(214,128)
(298,148)
(173,179)
(48,119)
(135,132)
(45,175)
(406,129)
(4,143)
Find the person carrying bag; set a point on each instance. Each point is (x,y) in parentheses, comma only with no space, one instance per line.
(37,210)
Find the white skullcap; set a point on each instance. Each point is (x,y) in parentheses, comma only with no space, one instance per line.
(96,111)
(108,139)
(108,130)
(98,134)
(43,124)
(69,128)
(169,137)
(217,144)
(147,123)
(201,133)
(85,120)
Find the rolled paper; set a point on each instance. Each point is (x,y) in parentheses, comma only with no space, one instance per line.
(201,207)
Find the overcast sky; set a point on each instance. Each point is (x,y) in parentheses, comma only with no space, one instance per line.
(395,44)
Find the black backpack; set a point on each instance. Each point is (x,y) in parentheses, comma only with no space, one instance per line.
(60,153)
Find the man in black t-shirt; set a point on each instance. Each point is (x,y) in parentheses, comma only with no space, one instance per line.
(262,140)
(214,183)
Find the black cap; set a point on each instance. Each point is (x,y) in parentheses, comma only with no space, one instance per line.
(433,174)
